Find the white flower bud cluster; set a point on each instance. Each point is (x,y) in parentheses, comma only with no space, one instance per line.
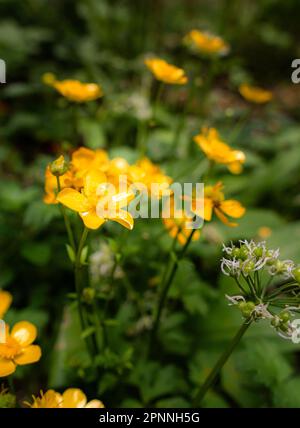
(102,264)
(250,257)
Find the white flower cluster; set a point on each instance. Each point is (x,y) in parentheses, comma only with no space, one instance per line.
(251,256)
(102,264)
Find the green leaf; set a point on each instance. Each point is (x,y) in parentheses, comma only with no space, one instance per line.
(36,253)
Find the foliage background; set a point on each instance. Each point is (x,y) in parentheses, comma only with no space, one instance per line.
(105,42)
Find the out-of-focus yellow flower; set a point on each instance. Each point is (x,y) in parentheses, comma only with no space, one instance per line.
(166,72)
(70,399)
(214,201)
(264,232)
(151,176)
(18,349)
(66,180)
(218,151)
(254,94)
(179,224)
(84,160)
(76,91)
(98,202)
(5,302)
(206,43)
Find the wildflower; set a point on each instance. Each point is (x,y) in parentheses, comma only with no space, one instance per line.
(84,160)
(264,232)
(5,302)
(206,43)
(70,399)
(166,72)
(18,348)
(151,176)
(255,94)
(178,224)
(76,91)
(98,202)
(218,151)
(214,201)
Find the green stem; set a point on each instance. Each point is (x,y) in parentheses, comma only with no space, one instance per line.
(210,380)
(157,100)
(167,282)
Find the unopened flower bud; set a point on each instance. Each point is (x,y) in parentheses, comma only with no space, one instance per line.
(248,267)
(285,316)
(88,295)
(59,166)
(7,400)
(296,274)
(246,308)
(258,252)
(243,252)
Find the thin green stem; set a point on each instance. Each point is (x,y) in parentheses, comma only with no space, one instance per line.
(212,377)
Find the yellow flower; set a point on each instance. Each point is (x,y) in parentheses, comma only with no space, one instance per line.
(178,224)
(218,151)
(264,232)
(151,176)
(255,94)
(66,180)
(166,72)
(18,348)
(84,160)
(98,202)
(70,399)
(214,201)
(76,91)
(5,302)
(206,43)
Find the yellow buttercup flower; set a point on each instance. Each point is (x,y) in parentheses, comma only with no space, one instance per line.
(254,94)
(84,160)
(218,151)
(151,176)
(206,43)
(72,398)
(166,72)
(178,224)
(18,349)
(98,202)
(5,302)
(214,201)
(76,91)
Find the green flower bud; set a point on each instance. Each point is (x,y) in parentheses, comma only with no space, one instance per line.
(7,400)
(285,316)
(296,274)
(59,166)
(258,252)
(249,267)
(246,308)
(88,295)
(243,252)
(276,322)
(235,253)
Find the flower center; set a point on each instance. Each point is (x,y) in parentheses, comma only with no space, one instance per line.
(10,348)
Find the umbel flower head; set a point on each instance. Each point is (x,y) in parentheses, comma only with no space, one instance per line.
(274,295)
(254,94)
(98,202)
(72,398)
(18,350)
(206,43)
(166,72)
(218,151)
(5,302)
(76,91)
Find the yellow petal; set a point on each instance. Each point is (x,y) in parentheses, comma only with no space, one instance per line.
(74,398)
(5,302)
(121,200)
(74,200)
(235,167)
(7,367)
(232,208)
(91,220)
(24,333)
(30,354)
(208,208)
(95,404)
(224,219)
(124,218)
(92,181)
